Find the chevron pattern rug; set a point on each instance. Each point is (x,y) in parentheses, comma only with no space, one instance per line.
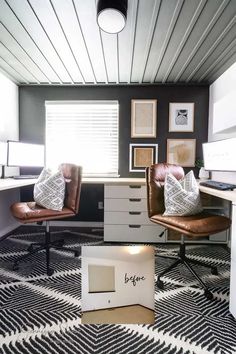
(41,314)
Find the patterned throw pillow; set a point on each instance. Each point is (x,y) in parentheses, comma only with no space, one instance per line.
(49,190)
(182,197)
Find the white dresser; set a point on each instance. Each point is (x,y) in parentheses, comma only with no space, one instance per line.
(125,215)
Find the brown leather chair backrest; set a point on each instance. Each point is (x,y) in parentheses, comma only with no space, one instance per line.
(155,178)
(73,175)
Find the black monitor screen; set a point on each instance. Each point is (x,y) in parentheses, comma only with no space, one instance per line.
(24,154)
(220,155)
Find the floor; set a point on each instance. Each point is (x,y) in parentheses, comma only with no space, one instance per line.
(42,315)
(135,314)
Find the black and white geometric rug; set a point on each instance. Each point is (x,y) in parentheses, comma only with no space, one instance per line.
(41,314)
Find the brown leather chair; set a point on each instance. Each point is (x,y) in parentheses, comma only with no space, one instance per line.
(30,212)
(196,226)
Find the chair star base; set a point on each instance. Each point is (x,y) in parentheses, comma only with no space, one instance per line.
(47,245)
(182,259)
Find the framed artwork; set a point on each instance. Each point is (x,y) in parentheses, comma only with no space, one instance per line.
(143,118)
(181,152)
(181,117)
(141,156)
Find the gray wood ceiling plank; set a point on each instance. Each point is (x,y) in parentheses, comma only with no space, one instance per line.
(86,49)
(167,38)
(165,16)
(201,39)
(105,78)
(17,28)
(65,33)
(184,39)
(5,66)
(202,22)
(52,29)
(126,42)
(15,63)
(218,58)
(146,20)
(109,44)
(154,19)
(221,68)
(227,35)
(117,58)
(213,56)
(189,9)
(10,76)
(86,11)
(14,47)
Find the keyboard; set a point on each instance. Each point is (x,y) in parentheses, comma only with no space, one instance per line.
(25,177)
(218,185)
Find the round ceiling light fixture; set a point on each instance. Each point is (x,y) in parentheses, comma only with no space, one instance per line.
(111,15)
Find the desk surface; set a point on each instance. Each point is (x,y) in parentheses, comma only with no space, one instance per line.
(227,195)
(10,183)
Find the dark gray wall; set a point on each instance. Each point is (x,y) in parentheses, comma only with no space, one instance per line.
(32,118)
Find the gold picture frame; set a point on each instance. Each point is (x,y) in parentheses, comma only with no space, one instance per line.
(143,118)
(181,152)
(142,156)
(181,117)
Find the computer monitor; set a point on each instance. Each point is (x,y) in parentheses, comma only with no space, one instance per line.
(24,154)
(3,153)
(220,155)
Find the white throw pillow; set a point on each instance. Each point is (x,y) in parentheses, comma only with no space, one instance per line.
(182,197)
(49,190)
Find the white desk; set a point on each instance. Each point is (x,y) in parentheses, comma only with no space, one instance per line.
(9,194)
(11,183)
(226,195)
(231,197)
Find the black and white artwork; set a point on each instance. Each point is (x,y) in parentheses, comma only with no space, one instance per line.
(181,117)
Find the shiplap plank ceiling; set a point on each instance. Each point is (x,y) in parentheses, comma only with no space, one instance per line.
(164,41)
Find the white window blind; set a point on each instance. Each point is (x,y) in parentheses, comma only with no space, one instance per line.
(85,133)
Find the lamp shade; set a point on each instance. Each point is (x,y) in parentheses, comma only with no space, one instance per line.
(111,15)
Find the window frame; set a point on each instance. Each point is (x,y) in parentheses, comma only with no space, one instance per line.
(76,102)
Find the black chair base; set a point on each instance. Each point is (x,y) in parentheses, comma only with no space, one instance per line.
(47,245)
(182,259)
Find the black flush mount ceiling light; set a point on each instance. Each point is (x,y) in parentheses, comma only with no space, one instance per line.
(111,15)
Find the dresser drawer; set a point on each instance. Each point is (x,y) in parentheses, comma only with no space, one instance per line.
(134,233)
(129,191)
(131,204)
(132,217)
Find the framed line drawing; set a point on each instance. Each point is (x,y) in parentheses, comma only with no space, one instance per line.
(181,117)
(141,156)
(143,118)
(181,152)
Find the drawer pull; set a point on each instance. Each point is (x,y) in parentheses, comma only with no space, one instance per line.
(134,212)
(134,186)
(135,200)
(134,226)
